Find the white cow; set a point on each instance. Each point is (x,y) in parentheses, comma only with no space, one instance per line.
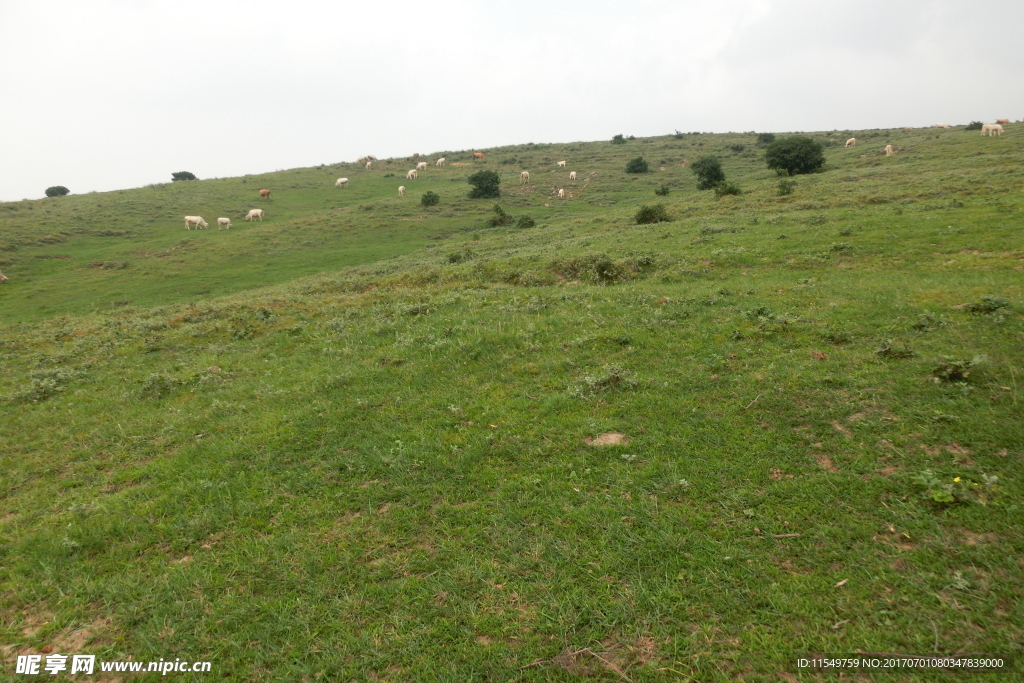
(524,178)
(3,278)
(440,162)
(561,193)
(852,142)
(991,129)
(253,214)
(371,157)
(196,221)
(224,222)
(561,164)
(341,182)
(888,151)
(942,125)
(401,190)
(368,165)
(412,175)
(422,166)
(572,175)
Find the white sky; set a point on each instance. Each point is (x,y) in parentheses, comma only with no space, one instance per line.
(110,94)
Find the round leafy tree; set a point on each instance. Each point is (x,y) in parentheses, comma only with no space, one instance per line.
(57,191)
(708,170)
(485,185)
(618,139)
(430,198)
(765,138)
(637,165)
(795,154)
(651,214)
(183,175)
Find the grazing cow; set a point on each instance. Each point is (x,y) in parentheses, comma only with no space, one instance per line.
(196,221)
(421,166)
(852,142)
(908,128)
(371,157)
(561,193)
(224,222)
(991,129)
(440,162)
(572,175)
(416,155)
(478,155)
(524,178)
(361,160)
(3,278)
(368,165)
(1002,120)
(412,175)
(888,151)
(254,214)
(942,125)
(341,182)
(401,190)
(561,164)
(265,193)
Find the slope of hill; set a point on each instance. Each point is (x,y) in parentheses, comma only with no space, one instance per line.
(774,425)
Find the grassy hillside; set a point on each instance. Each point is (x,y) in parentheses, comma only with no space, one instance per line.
(588,449)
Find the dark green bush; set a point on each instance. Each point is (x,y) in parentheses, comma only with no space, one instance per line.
(679,135)
(708,170)
(795,154)
(183,175)
(652,214)
(765,138)
(499,218)
(618,140)
(430,198)
(661,191)
(485,185)
(786,187)
(525,222)
(725,187)
(637,165)
(974,125)
(57,191)
(988,304)
(737,148)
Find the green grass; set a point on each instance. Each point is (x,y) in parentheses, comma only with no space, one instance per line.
(381,471)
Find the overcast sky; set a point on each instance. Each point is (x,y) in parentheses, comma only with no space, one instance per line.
(111,94)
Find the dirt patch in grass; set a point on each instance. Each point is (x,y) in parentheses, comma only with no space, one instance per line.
(608,439)
(971,538)
(826,463)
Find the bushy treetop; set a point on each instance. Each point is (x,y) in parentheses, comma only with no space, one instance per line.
(795,154)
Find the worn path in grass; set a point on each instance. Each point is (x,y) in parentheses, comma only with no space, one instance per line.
(391,471)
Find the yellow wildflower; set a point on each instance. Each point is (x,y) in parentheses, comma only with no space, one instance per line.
(957,479)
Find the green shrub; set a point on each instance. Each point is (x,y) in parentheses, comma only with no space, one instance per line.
(956,369)
(430,198)
(785,187)
(485,185)
(679,135)
(525,222)
(765,138)
(795,155)
(646,215)
(618,140)
(708,170)
(974,125)
(988,304)
(183,175)
(661,191)
(737,148)
(57,191)
(499,218)
(637,165)
(725,187)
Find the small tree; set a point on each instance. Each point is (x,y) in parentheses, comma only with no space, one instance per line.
(651,214)
(679,135)
(974,125)
(765,138)
(661,191)
(485,185)
(786,187)
(618,139)
(183,175)
(708,170)
(500,217)
(725,187)
(795,154)
(430,198)
(57,191)
(637,165)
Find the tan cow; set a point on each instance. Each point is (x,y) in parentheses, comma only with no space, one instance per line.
(401,190)
(224,223)
(991,129)
(572,175)
(3,278)
(941,125)
(1002,120)
(254,214)
(421,166)
(368,165)
(478,155)
(524,178)
(440,162)
(561,164)
(852,142)
(412,175)
(196,221)
(561,193)
(341,182)
(265,194)
(888,151)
